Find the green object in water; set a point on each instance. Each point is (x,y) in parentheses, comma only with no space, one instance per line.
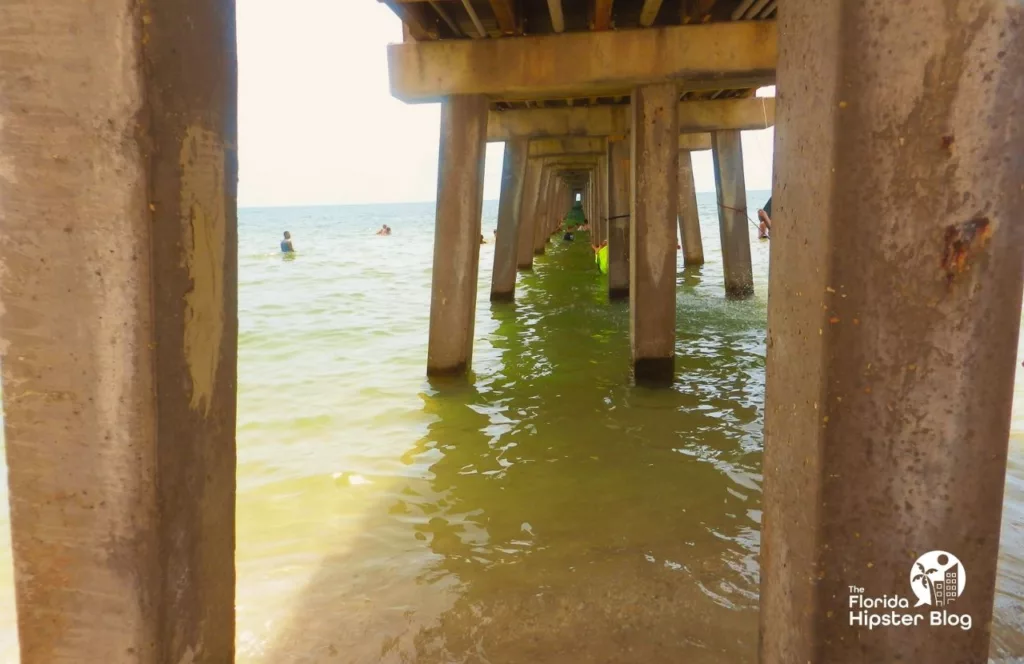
(601,258)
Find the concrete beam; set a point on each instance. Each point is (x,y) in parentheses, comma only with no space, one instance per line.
(694,142)
(649,12)
(732,54)
(528,213)
(689,218)
(618,219)
(733,220)
(416,20)
(120,327)
(565,146)
(506,244)
(893,321)
(694,116)
(596,146)
(569,161)
(456,236)
(652,228)
(506,15)
(602,14)
(557,16)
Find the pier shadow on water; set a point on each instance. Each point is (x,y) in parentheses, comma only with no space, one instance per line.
(551,512)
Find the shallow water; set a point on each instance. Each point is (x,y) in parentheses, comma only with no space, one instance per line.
(545,512)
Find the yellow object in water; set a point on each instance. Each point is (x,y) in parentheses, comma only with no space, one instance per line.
(601,258)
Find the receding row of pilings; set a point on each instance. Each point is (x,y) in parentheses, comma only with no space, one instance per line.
(894,309)
(633,190)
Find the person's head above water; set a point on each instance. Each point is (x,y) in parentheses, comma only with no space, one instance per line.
(287,235)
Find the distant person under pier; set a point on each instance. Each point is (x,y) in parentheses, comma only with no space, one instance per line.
(764,216)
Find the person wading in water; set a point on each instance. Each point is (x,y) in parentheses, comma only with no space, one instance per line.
(765,217)
(286,244)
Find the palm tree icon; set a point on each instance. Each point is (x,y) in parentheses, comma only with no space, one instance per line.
(923,577)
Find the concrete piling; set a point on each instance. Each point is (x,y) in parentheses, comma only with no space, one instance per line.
(689,218)
(727,152)
(618,219)
(652,279)
(457,235)
(893,317)
(506,248)
(540,236)
(120,327)
(528,214)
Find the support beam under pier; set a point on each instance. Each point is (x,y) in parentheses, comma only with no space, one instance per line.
(528,214)
(540,235)
(897,246)
(652,279)
(618,219)
(689,219)
(602,174)
(738,54)
(506,247)
(457,235)
(554,205)
(580,122)
(588,196)
(727,152)
(120,332)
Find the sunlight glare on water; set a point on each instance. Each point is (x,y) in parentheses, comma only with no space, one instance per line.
(546,511)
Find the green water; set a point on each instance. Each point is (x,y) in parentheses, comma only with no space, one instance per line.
(545,511)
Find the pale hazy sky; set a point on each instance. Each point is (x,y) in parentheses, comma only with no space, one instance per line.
(317,124)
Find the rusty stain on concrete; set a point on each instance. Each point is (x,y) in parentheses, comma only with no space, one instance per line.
(961,240)
(203,221)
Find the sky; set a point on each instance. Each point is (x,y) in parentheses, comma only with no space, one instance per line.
(318,126)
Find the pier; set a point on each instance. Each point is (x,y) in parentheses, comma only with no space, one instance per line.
(894,296)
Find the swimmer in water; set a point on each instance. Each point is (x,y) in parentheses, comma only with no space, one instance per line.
(286,244)
(384,230)
(482,240)
(765,228)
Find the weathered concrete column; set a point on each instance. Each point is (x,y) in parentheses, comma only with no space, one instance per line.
(897,247)
(689,219)
(602,184)
(528,214)
(506,247)
(563,204)
(588,200)
(652,267)
(567,199)
(593,219)
(457,235)
(540,236)
(119,247)
(618,219)
(727,153)
(562,198)
(553,204)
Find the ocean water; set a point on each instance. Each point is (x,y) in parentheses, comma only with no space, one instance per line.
(546,511)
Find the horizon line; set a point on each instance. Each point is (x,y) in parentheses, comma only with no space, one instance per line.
(486,200)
